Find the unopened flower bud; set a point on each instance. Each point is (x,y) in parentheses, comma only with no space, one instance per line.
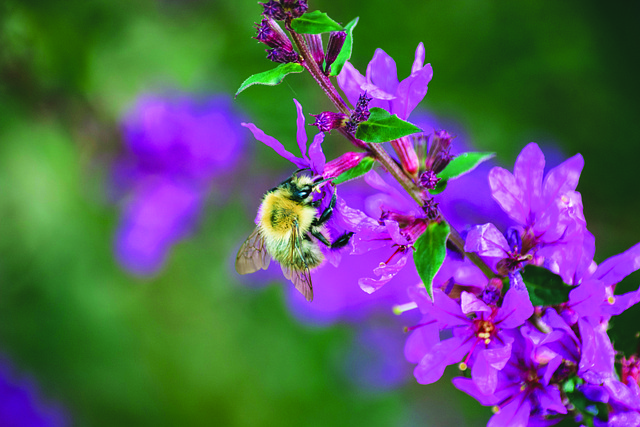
(336,40)
(270,33)
(430,208)
(342,164)
(406,154)
(491,293)
(360,113)
(429,179)
(273,9)
(329,120)
(299,9)
(282,55)
(314,42)
(439,157)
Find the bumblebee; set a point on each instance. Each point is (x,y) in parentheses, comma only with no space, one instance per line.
(290,230)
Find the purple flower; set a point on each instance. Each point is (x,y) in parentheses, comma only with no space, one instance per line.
(314,159)
(548,212)
(399,224)
(160,212)
(21,405)
(623,402)
(176,147)
(381,83)
(524,394)
(483,337)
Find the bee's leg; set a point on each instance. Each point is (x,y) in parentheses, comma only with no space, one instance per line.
(318,235)
(342,241)
(324,217)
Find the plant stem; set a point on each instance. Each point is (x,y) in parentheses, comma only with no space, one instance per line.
(377,149)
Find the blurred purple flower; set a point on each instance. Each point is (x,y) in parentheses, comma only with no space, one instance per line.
(175,148)
(21,404)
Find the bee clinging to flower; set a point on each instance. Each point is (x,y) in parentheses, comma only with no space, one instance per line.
(290,229)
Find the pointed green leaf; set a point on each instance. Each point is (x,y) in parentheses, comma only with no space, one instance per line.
(383,127)
(365,165)
(430,251)
(345,52)
(545,288)
(315,22)
(463,164)
(271,77)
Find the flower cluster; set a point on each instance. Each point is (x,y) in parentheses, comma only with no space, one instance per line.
(176,147)
(515,299)
(523,360)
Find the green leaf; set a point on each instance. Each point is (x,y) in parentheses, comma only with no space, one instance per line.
(345,52)
(271,77)
(440,187)
(431,249)
(545,288)
(383,127)
(315,22)
(463,164)
(365,165)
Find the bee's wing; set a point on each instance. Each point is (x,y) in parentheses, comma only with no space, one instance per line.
(253,254)
(301,280)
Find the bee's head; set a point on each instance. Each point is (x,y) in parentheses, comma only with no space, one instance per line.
(301,188)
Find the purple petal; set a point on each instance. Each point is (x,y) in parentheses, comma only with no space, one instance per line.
(550,399)
(411,91)
(562,178)
(385,272)
(421,341)
(486,240)
(468,386)
(514,414)
(418,62)
(275,145)
(351,81)
(587,298)
(516,306)
(528,172)
(418,294)
(622,394)
(447,311)
(471,304)
(382,72)
(350,218)
(624,419)
(484,375)
(498,356)
(394,231)
(616,268)
(301,133)
(316,155)
(552,366)
(445,353)
(596,364)
(508,194)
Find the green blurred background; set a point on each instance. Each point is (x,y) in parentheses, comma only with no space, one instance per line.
(192,346)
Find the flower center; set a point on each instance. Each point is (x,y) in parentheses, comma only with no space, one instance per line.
(485,329)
